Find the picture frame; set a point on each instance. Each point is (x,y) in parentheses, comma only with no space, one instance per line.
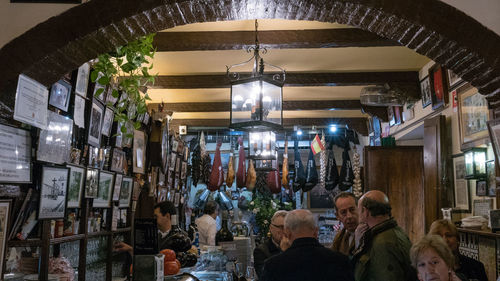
(5,209)
(454,81)
(481,188)
(95,123)
(494,134)
(473,117)
(139,152)
(426,91)
(15,156)
(91,182)
(101,96)
(117,187)
(53,192)
(126,192)
(107,122)
(105,193)
(392,118)
(82,80)
(32,99)
(110,100)
(79,111)
(460,184)
(482,207)
(164,146)
(439,86)
(491,178)
(60,95)
(397,115)
(117,160)
(75,186)
(54,144)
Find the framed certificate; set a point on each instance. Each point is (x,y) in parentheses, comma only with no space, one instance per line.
(15,155)
(54,145)
(95,124)
(32,99)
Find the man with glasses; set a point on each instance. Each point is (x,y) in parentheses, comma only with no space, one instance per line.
(271,246)
(347,214)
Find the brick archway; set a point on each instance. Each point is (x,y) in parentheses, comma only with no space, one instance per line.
(431,28)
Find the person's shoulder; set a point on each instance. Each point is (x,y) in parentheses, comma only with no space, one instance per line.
(470,261)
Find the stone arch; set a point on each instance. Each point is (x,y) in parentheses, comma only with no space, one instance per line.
(430,27)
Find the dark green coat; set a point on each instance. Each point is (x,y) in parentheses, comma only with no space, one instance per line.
(384,255)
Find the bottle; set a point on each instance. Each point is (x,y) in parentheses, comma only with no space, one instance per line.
(193,233)
(178,240)
(223,235)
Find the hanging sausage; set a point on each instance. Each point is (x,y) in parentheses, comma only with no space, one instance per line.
(300,176)
(332,178)
(322,163)
(230,171)
(274,180)
(251,175)
(217,174)
(346,172)
(241,173)
(311,173)
(196,163)
(284,178)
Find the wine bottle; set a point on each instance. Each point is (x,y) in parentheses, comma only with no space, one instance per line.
(178,240)
(223,235)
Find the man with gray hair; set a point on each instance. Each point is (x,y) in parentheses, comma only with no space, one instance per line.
(306,259)
(271,246)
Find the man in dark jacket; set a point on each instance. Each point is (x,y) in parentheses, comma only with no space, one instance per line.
(383,250)
(347,213)
(306,259)
(271,246)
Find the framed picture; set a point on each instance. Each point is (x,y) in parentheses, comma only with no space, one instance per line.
(53,192)
(122,140)
(60,94)
(117,187)
(482,207)
(79,111)
(392,118)
(481,188)
(494,133)
(110,100)
(126,192)
(104,195)
(117,161)
(4,223)
(31,104)
(91,183)
(54,144)
(97,94)
(453,80)
(473,117)
(461,185)
(491,178)
(439,86)
(107,122)
(75,185)
(95,124)
(425,88)
(397,114)
(82,80)
(15,156)
(164,146)
(139,152)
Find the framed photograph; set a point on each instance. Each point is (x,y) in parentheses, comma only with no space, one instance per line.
(79,111)
(95,124)
(117,187)
(139,152)
(82,80)
(104,195)
(473,117)
(75,185)
(481,188)
(117,161)
(425,88)
(54,144)
(392,118)
(494,133)
(4,223)
(439,86)
(164,146)
(122,140)
(146,119)
(91,183)
(100,95)
(60,94)
(15,155)
(126,192)
(32,100)
(453,80)
(482,207)
(491,178)
(53,192)
(171,165)
(110,100)
(107,122)
(461,185)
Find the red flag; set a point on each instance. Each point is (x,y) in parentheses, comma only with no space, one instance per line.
(316,145)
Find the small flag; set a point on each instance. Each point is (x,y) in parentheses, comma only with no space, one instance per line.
(316,145)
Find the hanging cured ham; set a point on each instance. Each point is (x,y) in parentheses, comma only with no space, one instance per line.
(230,171)
(196,163)
(206,161)
(274,180)
(346,172)
(300,176)
(241,173)
(284,178)
(322,163)
(311,173)
(251,175)
(217,174)
(332,178)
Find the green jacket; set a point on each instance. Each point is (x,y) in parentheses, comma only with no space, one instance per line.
(384,255)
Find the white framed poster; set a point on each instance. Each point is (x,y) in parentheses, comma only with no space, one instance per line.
(107,122)
(95,124)
(79,111)
(60,95)
(82,79)
(75,185)
(139,152)
(15,155)
(91,183)
(32,100)
(4,222)
(103,199)
(53,191)
(54,145)
(118,186)
(126,192)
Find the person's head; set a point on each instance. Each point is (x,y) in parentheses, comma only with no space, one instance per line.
(300,224)
(374,208)
(163,212)
(347,211)
(211,209)
(277,226)
(448,231)
(432,258)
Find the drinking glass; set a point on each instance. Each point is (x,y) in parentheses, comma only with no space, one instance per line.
(251,274)
(239,270)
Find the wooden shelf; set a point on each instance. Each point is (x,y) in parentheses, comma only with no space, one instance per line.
(99,233)
(122,230)
(25,243)
(66,239)
(480,232)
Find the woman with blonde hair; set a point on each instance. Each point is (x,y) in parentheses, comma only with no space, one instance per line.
(468,267)
(433,260)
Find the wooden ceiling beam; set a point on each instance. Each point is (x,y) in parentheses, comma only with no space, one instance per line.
(271,39)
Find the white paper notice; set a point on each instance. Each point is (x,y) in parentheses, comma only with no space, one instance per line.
(31,102)
(15,155)
(79,112)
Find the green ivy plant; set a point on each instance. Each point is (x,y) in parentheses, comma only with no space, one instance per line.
(126,70)
(264,206)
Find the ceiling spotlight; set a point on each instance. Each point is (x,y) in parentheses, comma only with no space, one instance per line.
(333,128)
(299,132)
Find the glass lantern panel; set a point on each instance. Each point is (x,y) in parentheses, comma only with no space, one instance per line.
(271,102)
(244,100)
(480,160)
(469,163)
(262,144)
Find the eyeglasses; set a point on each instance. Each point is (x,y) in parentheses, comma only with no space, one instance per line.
(277,226)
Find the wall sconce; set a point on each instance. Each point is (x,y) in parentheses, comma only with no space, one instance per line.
(475,163)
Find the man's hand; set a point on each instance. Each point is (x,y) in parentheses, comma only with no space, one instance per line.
(122,247)
(359,233)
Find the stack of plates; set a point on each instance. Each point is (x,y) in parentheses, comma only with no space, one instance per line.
(475,222)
